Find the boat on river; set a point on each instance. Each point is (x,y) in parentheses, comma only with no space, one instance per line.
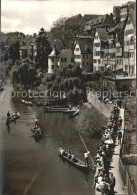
(55,109)
(37,132)
(13,118)
(70,111)
(38,103)
(77,162)
(75,113)
(28,103)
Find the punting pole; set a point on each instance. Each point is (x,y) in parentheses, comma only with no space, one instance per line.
(86,148)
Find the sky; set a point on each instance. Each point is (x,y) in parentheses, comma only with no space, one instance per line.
(29,16)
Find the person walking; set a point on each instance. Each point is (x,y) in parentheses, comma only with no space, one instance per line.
(112,182)
(120,122)
(119,137)
(8,114)
(86,155)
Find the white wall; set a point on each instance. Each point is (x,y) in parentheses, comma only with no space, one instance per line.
(95,49)
(78,53)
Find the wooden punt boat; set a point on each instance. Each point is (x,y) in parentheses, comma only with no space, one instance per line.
(70,111)
(28,103)
(13,118)
(53,109)
(75,113)
(38,103)
(37,132)
(77,163)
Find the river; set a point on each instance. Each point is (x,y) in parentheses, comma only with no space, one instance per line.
(34,168)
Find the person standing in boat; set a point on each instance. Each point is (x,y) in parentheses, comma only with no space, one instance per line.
(86,155)
(8,114)
(36,122)
(70,107)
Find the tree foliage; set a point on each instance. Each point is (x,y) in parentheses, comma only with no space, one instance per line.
(26,74)
(43,50)
(65,29)
(14,51)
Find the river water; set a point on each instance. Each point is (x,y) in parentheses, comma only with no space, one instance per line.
(34,168)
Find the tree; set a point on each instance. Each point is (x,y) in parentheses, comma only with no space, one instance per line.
(43,50)
(65,29)
(14,51)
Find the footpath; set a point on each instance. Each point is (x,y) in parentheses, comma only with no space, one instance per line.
(119,187)
(106,110)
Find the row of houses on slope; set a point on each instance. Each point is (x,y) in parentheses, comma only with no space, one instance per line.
(107,42)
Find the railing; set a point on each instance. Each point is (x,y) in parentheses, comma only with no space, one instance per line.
(128,182)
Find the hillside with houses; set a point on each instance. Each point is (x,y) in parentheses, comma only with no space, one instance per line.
(86,64)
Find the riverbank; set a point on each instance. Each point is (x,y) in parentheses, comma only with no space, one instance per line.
(105,109)
(119,187)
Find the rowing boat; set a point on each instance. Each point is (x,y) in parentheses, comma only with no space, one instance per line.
(53,109)
(13,118)
(28,103)
(75,113)
(77,163)
(70,111)
(37,132)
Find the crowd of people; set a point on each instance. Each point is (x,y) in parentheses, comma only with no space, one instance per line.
(104,180)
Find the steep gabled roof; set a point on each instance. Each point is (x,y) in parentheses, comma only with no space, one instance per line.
(108,21)
(85,45)
(97,20)
(54,52)
(119,26)
(102,34)
(102,21)
(128,4)
(133,19)
(64,51)
(83,34)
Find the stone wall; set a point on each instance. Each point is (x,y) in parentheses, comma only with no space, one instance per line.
(105,109)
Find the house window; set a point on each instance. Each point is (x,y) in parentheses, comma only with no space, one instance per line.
(126,55)
(118,50)
(52,67)
(132,41)
(52,59)
(130,31)
(83,63)
(98,61)
(128,22)
(94,60)
(63,59)
(77,56)
(133,69)
(72,59)
(96,37)
(97,53)
(131,54)
(96,44)
(77,49)
(87,63)
(85,56)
